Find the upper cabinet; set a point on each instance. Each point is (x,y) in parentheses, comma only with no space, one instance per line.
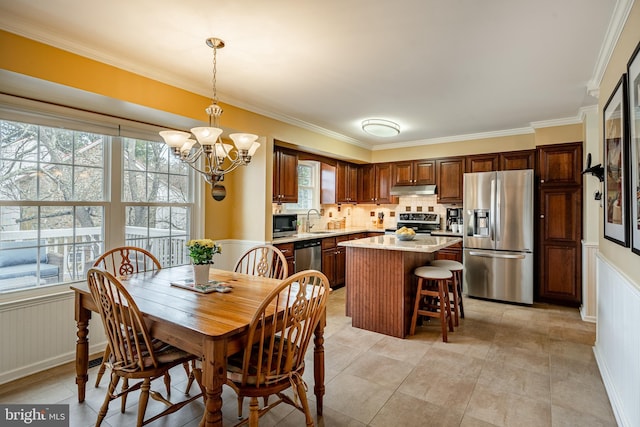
(482,163)
(510,160)
(514,160)
(416,172)
(560,164)
(374,183)
(346,183)
(449,174)
(285,176)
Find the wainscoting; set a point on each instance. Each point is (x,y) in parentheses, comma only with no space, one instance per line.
(617,346)
(40,333)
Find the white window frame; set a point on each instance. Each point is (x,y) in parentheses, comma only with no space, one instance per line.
(315,187)
(44,114)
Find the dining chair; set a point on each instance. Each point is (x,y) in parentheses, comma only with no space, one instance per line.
(134,355)
(123,261)
(278,336)
(264,261)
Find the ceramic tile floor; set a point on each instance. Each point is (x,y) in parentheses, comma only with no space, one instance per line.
(505,365)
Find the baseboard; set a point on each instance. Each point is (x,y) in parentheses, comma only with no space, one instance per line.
(585,317)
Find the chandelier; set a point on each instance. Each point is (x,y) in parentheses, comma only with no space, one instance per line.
(207,154)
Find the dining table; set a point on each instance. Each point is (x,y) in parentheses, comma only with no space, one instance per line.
(209,325)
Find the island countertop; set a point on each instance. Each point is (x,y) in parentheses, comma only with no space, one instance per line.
(424,244)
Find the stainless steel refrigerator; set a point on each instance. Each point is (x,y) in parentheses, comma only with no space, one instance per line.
(498,235)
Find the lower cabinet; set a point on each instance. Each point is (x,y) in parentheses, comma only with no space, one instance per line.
(453,253)
(334,257)
(287,251)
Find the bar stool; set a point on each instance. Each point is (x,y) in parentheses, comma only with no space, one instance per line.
(432,284)
(456,284)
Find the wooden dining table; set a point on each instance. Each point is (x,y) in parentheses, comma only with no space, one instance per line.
(211,325)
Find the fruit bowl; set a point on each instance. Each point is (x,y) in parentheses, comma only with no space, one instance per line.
(405,237)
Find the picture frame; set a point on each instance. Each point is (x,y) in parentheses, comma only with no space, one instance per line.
(615,171)
(633,85)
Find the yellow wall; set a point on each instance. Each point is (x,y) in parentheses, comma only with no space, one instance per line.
(623,258)
(459,148)
(560,134)
(31,58)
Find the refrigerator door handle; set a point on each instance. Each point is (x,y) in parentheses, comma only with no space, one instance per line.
(507,256)
(497,207)
(492,212)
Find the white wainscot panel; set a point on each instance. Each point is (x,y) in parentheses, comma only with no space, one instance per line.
(617,348)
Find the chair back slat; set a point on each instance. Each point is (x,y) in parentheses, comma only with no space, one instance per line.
(281,336)
(264,261)
(127,260)
(130,342)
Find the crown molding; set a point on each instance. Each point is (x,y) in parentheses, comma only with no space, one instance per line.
(557,122)
(456,138)
(618,19)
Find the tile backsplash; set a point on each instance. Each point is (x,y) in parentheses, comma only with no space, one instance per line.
(361,215)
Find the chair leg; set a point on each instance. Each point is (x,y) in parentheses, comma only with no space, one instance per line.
(240,400)
(105,405)
(103,365)
(123,401)
(302,395)
(443,312)
(459,274)
(254,412)
(416,307)
(453,288)
(167,383)
(190,374)
(144,399)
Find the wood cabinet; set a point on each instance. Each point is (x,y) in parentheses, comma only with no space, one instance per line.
(514,160)
(285,176)
(374,184)
(346,183)
(453,252)
(449,178)
(334,257)
(482,163)
(416,172)
(288,252)
(559,226)
(560,165)
(510,160)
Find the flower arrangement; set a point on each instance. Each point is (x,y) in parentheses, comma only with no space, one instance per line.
(202,251)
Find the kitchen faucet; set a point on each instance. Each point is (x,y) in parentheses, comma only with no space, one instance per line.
(307,225)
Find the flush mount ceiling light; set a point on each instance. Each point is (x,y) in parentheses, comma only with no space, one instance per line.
(380,127)
(218,158)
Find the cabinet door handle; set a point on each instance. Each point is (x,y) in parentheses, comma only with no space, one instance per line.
(542,216)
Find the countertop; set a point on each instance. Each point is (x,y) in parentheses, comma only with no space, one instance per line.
(321,234)
(389,242)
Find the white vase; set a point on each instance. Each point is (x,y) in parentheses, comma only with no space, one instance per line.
(201,274)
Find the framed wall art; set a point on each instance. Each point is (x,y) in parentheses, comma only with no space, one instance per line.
(633,77)
(616,205)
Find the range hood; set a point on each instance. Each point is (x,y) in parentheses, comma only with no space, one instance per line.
(413,190)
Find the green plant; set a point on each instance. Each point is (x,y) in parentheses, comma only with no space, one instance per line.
(202,251)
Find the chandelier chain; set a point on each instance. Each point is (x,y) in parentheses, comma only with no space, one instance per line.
(214,100)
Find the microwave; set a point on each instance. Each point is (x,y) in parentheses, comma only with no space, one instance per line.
(285,225)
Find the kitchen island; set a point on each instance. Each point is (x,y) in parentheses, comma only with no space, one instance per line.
(380,283)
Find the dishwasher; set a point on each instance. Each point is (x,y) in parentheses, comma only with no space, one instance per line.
(308,255)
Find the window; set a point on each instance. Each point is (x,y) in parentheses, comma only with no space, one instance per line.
(61,190)
(308,187)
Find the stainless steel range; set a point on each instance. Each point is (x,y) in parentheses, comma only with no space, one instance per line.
(422,223)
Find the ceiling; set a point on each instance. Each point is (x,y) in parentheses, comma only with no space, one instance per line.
(440,69)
